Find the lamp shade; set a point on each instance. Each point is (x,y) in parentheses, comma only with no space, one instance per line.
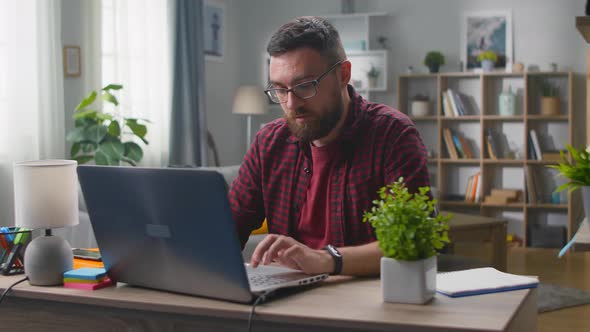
(249,100)
(46,194)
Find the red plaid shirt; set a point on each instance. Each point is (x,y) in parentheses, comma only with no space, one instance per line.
(380,144)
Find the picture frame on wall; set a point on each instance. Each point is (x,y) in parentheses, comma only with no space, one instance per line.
(486,31)
(214,29)
(72,61)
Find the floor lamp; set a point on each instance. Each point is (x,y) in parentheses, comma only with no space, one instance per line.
(249,100)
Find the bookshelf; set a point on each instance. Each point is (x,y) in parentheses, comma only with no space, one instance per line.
(479,104)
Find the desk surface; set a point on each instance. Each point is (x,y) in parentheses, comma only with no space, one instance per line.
(340,302)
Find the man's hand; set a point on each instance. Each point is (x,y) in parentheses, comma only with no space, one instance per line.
(292,254)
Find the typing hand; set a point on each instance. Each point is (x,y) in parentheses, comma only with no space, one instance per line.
(292,254)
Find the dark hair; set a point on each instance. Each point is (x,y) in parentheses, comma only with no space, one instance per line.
(308,31)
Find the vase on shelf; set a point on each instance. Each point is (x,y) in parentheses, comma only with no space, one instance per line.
(487,65)
(550,105)
(507,103)
(586,200)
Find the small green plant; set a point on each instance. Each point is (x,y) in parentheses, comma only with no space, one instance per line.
(434,58)
(404,224)
(99,135)
(577,171)
(373,72)
(487,55)
(548,89)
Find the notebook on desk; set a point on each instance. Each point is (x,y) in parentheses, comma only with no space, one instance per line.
(481,281)
(172,229)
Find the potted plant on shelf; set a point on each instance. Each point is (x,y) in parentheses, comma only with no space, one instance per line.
(99,136)
(409,237)
(487,60)
(577,173)
(433,60)
(420,105)
(372,76)
(549,98)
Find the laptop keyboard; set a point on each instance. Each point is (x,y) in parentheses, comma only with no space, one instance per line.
(258,279)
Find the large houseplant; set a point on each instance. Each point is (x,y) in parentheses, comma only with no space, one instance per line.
(409,236)
(99,136)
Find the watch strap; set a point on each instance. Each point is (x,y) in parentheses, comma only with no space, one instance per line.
(337,258)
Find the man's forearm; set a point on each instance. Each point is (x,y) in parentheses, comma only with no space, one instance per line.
(361,260)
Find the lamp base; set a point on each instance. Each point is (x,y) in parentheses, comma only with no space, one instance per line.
(46,260)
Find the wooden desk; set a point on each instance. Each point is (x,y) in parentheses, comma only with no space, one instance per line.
(339,304)
(473,228)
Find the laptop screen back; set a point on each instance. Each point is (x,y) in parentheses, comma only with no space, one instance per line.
(166,228)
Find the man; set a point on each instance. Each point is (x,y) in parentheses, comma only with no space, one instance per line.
(314,172)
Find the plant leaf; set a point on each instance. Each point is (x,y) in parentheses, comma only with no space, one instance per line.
(138,129)
(87,101)
(107,96)
(133,151)
(74,149)
(112,87)
(114,129)
(95,133)
(104,116)
(76,135)
(113,149)
(85,114)
(88,147)
(83,159)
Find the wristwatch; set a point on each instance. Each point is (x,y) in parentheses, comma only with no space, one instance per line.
(337,258)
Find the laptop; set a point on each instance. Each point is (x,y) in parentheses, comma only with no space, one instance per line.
(172,229)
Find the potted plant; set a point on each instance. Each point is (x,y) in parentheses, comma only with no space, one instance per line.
(487,60)
(420,105)
(549,98)
(98,136)
(409,237)
(577,173)
(373,75)
(433,60)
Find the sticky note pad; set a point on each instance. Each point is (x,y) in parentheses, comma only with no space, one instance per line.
(85,281)
(86,273)
(76,285)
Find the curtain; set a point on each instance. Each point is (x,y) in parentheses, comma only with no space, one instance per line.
(31,89)
(136,53)
(188,134)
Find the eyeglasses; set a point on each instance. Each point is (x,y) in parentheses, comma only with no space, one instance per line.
(303,90)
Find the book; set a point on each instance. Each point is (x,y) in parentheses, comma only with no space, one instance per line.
(86,273)
(449,143)
(481,281)
(458,145)
(536,146)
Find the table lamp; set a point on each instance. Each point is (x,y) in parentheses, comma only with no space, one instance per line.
(249,100)
(46,197)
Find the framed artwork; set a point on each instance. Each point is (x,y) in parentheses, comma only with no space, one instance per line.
(72,62)
(214,29)
(486,31)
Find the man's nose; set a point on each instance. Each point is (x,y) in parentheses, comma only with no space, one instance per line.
(293,101)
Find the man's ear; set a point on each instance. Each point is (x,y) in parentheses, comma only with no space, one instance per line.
(345,70)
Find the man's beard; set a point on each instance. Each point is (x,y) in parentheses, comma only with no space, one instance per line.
(314,126)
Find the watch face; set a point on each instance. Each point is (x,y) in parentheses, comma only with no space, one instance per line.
(333,251)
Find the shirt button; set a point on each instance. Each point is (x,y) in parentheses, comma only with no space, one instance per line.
(307,170)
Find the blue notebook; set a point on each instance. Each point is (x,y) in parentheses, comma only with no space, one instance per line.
(86,273)
(481,281)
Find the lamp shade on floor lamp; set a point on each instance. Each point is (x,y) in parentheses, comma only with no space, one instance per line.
(249,100)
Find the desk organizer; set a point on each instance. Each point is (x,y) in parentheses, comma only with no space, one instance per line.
(13,242)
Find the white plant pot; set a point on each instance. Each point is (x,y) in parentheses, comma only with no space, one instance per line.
(487,65)
(411,282)
(586,200)
(420,108)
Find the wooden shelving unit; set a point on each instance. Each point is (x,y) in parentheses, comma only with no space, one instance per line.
(482,90)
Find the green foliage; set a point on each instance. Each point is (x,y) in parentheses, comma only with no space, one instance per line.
(98,136)
(404,224)
(548,89)
(434,58)
(487,55)
(577,171)
(373,72)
